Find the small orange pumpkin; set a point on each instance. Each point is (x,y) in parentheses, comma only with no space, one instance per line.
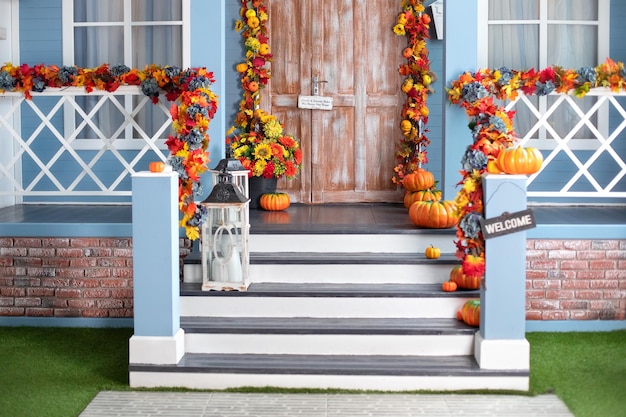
(433,214)
(462,281)
(492,166)
(524,161)
(448,286)
(274,201)
(253,86)
(432,252)
(156,166)
(470,313)
(407,53)
(418,180)
(241,67)
(411,197)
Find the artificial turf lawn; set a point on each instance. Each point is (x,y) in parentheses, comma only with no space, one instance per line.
(56,372)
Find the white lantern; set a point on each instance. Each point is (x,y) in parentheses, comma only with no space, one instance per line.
(225,252)
(233,167)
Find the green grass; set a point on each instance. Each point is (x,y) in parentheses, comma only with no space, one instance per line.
(56,372)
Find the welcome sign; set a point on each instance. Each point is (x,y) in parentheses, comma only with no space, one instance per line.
(508,223)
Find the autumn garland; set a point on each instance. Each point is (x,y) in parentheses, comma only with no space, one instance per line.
(257,139)
(411,154)
(191,117)
(492,131)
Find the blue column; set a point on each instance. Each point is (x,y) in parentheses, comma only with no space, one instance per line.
(156,254)
(503,298)
(460,54)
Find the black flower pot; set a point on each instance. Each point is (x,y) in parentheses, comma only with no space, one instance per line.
(259,186)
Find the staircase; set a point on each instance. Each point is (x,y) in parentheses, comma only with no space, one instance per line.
(333,307)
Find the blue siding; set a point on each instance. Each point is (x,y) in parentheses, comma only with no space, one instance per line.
(40,32)
(234,55)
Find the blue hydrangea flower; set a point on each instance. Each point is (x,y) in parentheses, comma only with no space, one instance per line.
(194,109)
(473,159)
(67,74)
(172,72)
(194,139)
(150,87)
(473,91)
(497,123)
(118,69)
(197,189)
(587,74)
(178,165)
(622,72)
(7,82)
(199,216)
(38,85)
(505,75)
(543,89)
(199,82)
(470,224)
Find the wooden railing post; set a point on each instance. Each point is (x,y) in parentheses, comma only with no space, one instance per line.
(501,342)
(157,338)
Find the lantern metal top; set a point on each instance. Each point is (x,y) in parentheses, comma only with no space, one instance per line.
(229,164)
(224,191)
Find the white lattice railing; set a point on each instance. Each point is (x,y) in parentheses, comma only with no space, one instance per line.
(584,156)
(44,151)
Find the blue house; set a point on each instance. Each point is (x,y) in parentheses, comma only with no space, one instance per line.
(68,159)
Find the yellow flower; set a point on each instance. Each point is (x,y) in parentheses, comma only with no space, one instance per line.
(273,129)
(240,151)
(250,13)
(263,16)
(253,44)
(238,25)
(259,167)
(399,30)
(401,19)
(263,151)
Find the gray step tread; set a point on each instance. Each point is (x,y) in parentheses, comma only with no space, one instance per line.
(327,365)
(337,258)
(271,289)
(314,325)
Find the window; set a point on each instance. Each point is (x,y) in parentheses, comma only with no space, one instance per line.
(135,33)
(523,34)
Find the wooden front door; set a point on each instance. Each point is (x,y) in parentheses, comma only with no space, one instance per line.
(349,151)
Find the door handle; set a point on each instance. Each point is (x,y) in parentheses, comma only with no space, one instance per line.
(316,85)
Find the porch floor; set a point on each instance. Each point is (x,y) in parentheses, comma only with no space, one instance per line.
(299,218)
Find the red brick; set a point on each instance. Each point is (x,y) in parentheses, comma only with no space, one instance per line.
(530,244)
(13,251)
(55,262)
(113,283)
(69,252)
(40,292)
(6,282)
(544,304)
(68,293)
(27,262)
(116,243)
(591,254)
(6,242)
(84,283)
(123,253)
(602,264)
(616,254)
(593,315)
(559,294)
(533,315)
(109,303)
(96,293)
(84,242)
(13,292)
(26,282)
(70,272)
(122,293)
(548,244)
(6,261)
(129,303)
(544,264)
(39,312)
(575,305)
(55,242)
(42,252)
(588,294)
(574,265)
(122,272)
(538,294)
(530,274)
(97,273)
(554,315)
(111,262)
(605,244)
(562,275)
(614,294)
(41,272)
(55,282)
(95,313)
(54,302)
(591,274)
(121,312)
(536,254)
(546,284)
(604,284)
(622,244)
(575,284)
(83,262)
(578,315)
(81,303)
(6,301)
(11,311)
(577,245)
(129,262)
(98,252)
(27,302)
(67,312)
(27,242)
(562,254)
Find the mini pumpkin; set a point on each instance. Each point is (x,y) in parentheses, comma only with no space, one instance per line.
(420,179)
(432,252)
(462,281)
(274,201)
(433,214)
(470,313)
(242,67)
(525,161)
(448,286)
(156,166)
(411,197)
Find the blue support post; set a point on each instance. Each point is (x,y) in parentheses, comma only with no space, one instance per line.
(158,337)
(501,342)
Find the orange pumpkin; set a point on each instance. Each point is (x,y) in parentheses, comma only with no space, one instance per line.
(253,86)
(411,197)
(418,180)
(432,252)
(448,286)
(524,161)
(156,166)
(462,281)
(470,313)
(407,53)
(492,166)
(433,214)
(241,67)
(274,201)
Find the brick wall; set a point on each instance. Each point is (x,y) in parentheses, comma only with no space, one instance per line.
(575,279)
(67,277)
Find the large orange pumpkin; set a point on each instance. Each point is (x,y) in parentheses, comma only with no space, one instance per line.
(433,214)
(274,201)
(520,160)
(462,281)
(411,197)
(418,180)
(470,313)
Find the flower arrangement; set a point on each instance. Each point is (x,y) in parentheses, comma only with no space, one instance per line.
(257,138)
(191,116)
(413,23)
(492,131)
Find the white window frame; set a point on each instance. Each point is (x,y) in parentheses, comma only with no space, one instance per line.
(604,30)
(128,142)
